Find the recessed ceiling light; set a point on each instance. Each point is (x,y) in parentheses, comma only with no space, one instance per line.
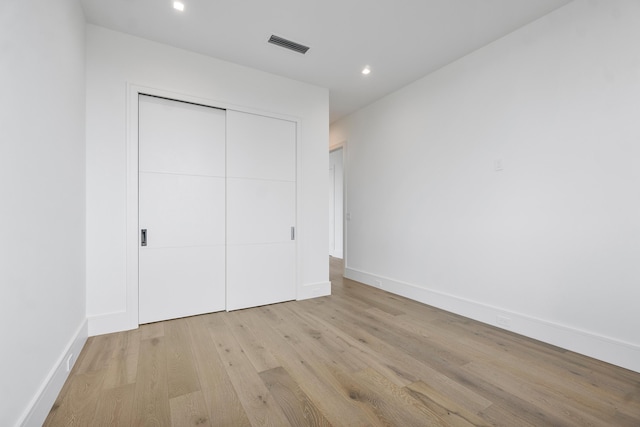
(366,70)
(178,5)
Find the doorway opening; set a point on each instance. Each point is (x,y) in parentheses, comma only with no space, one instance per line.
(336,203)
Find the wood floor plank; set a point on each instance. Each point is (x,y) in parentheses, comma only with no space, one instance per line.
(260,357)
(296,405)
(182,376)
(532,410)
(357,348)
(405,366)
(189,410)
(393,359)
(324,368)
(316,339)
(451,411)
(151,398)
(434,353)
(79,406)
(381,304)
(443,374)
(390,404)
(558,385)
(151,330)
(99,351)
(309,374)
(570,374)
(115,407)
(123,365)
(262,409)
(220,396)
(504,416)
(558,412)
(359,357)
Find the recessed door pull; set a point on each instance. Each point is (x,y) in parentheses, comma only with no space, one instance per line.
(143,237)
(293,233)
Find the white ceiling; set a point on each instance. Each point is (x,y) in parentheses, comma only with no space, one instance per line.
(401,40)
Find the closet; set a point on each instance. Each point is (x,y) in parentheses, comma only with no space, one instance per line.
(217,204)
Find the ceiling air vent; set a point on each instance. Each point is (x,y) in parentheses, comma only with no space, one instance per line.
(288,44)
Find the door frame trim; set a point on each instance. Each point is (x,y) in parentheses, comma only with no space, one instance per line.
(131,234)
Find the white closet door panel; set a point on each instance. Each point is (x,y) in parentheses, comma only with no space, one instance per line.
(182,210)
(260,211)
(181,282)
(261,206)
(260,274)
(182,207)
(184,138)
(260,147)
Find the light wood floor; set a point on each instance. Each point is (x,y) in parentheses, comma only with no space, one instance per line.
(359,357)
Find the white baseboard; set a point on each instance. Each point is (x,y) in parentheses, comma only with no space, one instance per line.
(46,396)
(110,322)
(599,347)
(121,320)
(314,290)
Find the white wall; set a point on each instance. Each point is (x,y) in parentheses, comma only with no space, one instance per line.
(42,199)
(550,243)
(115,60)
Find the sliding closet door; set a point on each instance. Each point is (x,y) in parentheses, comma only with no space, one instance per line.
(181,209)
(261,208)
